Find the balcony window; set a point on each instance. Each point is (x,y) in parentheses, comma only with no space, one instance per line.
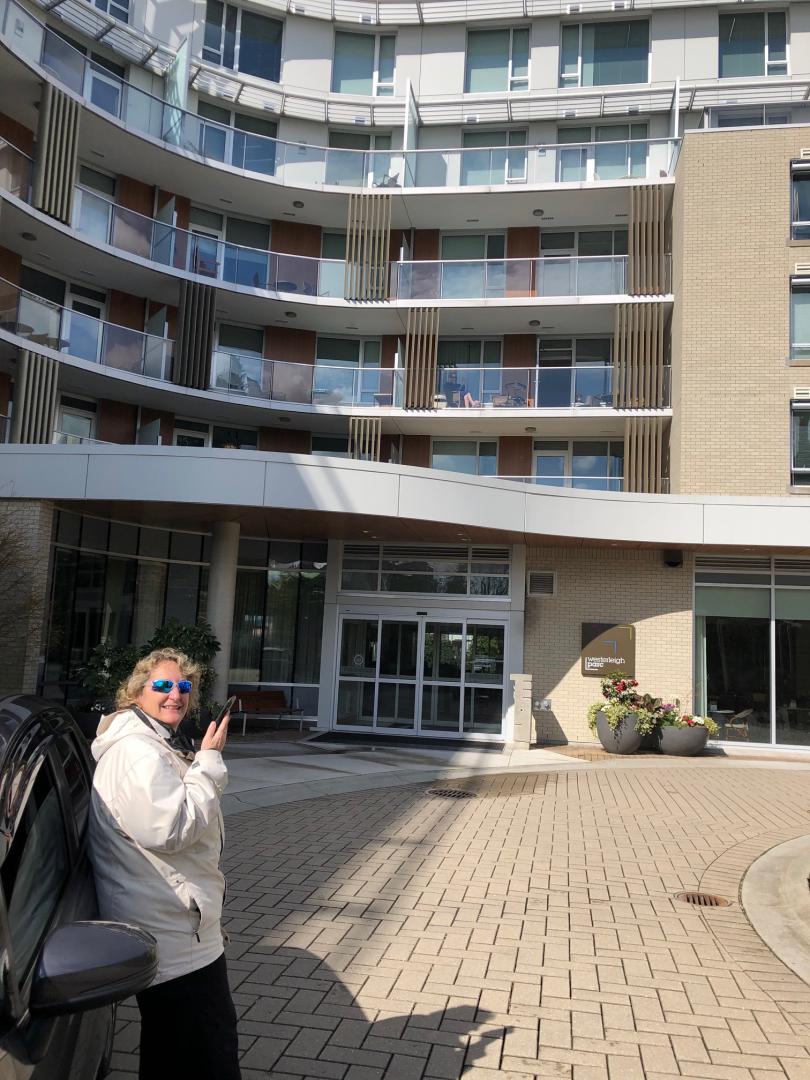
(472,457)
(364,64)
(750,116)
(801,204)
(596,465)
(242,40)
(75,421)
(497,60)
(800,465)
(800,321)
(238,364)
(485,159)
(574,371)
(119,9)
(244,141)
(605,54)
(754,43)
(347,370)
(360,159)
(464,274)
(330,446)
(604,152)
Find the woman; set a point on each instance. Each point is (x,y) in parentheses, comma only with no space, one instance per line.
(156,837)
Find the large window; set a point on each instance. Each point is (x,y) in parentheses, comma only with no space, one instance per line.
(364,64)
(460,570)
(497,60)
(800,203)
(800,457)
(753,43)
(574,371)
(475,457)
(242,40)
(119,9)
(602,152)
(486,160)
(348,370)
(591,465)
(244,141)
(605,53)
(800,321)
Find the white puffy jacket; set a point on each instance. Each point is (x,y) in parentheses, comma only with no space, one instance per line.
(156,836)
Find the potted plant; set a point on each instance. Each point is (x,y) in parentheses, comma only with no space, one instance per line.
(624,717)
(684,734)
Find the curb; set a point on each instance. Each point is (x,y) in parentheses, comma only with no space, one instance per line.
(776,898)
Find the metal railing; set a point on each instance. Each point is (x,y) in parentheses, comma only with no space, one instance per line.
(307,384)
(62,329)
(598,275)
(587,385)
(300,164)
(67,438)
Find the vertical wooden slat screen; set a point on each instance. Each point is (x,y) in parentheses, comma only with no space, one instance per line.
(645,455)
(368,238)
(194,347)
(647,269)
(56,153)
(35,399)
(365,436)
(639,357)
(421,352)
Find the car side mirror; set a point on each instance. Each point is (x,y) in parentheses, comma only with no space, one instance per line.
(85,965)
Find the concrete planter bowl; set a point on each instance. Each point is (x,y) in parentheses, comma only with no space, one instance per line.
(683,741)
(624,740)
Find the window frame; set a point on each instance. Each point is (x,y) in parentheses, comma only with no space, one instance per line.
(575,81)
(108,5)
(796,409)
(379,87)
(477,441)
(798,350)
(511,78)
(799,228)
(767,63)
(237,42)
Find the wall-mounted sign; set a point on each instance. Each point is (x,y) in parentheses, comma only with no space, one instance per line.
(608,649)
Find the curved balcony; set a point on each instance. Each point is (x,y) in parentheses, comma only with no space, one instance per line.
(303,165)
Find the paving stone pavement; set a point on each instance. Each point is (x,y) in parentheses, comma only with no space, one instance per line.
(531,931)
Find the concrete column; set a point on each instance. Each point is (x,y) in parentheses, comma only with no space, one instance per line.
(221,597)
(522,734)
(329,642)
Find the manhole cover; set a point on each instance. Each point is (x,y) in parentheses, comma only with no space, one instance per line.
(702,899)
(450,793)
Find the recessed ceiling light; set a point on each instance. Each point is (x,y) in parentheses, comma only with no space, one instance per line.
(290,314)
(28,236)
(298,204)
(537,213)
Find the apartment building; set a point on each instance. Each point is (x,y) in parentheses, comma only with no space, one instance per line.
(415,350)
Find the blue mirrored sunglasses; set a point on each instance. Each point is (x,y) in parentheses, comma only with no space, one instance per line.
(163,686)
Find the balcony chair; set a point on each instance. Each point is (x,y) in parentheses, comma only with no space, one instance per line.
(739,721)
(389,181)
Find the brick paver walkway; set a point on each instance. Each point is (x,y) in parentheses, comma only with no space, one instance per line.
(531,931)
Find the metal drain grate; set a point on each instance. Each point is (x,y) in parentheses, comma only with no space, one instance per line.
(450,793)
(702,899)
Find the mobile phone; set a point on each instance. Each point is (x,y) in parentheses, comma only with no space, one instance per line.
(226,708)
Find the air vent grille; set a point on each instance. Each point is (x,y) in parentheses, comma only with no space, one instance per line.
(804,153)
(753,563)
(792,566)
(801,393)
(801,269)
(541,583)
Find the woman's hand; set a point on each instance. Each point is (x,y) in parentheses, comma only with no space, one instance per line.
(216,737)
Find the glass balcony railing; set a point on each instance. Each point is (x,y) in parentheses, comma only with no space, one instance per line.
(588,385)
(581,483)
(299,164)
(599,275)
(105,222)
(72,332)
(307,384)
(15,171)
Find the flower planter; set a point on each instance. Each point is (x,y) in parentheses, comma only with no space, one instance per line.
(624,740)
(684,741)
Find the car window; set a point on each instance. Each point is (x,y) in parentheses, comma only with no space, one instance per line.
(35,871)
(78,781)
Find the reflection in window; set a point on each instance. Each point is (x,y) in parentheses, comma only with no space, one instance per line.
(242,40)
(801,445)
(753,43)
(800,203)
(604,54)
(497,60)
(473,457)
(364,64)
(800,322)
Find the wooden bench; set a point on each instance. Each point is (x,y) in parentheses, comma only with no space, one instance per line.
(266,705)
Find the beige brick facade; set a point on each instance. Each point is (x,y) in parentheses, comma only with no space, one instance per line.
(606,585)
(732,261)
(21,645)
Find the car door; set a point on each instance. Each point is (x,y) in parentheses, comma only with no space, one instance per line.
(45,881)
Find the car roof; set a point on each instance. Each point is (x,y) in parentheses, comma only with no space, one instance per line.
(19,710)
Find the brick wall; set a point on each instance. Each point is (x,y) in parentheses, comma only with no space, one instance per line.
(605,585)
(731,325)
(21,645)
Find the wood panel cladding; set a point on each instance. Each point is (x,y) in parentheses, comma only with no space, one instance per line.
(368,237)
(10,265)
(17,134)
(35,397)
(126,310)
(291,345)
(195,335)
(416,451)
(421,352)
(648,241)
(646,454)
(639,357)
(391,448)
(117,421)
(365,434)
(5,393)
(521,243)
(514,455)
(426,244)
(388,352)
(284,441)
(135,195)
(519,351)
(56,154)
(296,238)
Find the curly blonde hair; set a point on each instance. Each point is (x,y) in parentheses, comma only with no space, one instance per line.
(132,687)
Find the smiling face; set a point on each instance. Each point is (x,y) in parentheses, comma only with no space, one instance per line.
(168,708)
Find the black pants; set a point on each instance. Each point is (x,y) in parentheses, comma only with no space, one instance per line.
(188,1028)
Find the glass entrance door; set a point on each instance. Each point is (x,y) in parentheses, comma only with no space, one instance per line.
(420,675)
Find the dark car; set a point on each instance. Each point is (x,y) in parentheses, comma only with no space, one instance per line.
(62,972)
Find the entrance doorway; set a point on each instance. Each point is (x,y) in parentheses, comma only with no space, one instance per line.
(438,675)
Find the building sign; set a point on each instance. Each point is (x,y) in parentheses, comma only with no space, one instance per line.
(608,649)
